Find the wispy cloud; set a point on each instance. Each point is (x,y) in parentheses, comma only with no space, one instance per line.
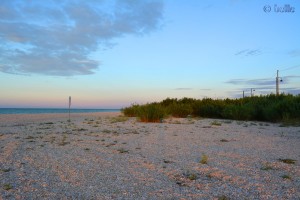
(54,37)
(294,53)
(251,82)
(248,52)
(183,88)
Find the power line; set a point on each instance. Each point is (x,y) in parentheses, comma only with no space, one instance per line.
(289,68)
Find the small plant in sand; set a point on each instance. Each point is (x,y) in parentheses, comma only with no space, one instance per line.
(215,123)
(190,175)
(7,186)
(286,176)
(204,159)
(6,170)
(48,123)
(118,119)
(63,142)
(223,197)
(106,131)
(267,167)
(122,150)
(29,137)
(288,161)
(224,140)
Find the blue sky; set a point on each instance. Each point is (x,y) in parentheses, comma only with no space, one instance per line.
(110,54)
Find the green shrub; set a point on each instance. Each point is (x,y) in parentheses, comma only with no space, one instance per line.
(261,108)
(151,113)
(179,110)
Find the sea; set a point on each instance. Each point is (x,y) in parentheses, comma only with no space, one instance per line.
(51,110)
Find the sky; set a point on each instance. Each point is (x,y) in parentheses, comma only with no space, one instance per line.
(113,53)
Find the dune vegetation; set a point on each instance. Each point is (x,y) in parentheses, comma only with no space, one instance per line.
(271,108)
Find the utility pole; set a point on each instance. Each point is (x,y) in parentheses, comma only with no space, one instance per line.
(252,89)
(277,84)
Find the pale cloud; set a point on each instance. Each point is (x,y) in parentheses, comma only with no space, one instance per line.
(248,52)
(294,53)
(183,88)
(54,37)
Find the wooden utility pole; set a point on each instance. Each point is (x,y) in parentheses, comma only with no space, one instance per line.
(277,84)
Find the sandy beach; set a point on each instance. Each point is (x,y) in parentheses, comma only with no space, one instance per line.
(105,156)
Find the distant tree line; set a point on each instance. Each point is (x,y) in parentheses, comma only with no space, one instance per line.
(270,108)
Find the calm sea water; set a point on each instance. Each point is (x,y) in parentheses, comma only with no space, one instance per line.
(51,110)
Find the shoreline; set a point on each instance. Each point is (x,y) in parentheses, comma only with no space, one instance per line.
(16,118)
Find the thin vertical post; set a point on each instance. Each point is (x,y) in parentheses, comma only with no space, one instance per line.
(277,84)
(69,108)
(243,94)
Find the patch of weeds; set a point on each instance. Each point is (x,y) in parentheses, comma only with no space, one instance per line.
(223,197)
(97,140)
(288,161)
(106,131)
(138,148)
(102,140)
(227,121)
(7,186)
(63,143)
(29,137)
(6,170)
(48,123)
(111,144)
(215,123)
(267,167)
(168,161)
(118,119)
(209,176)
(135,132)
(286,176)
(45,128)
(80,129)
(204,159)
(224,140)
(87,149)
(124,142)
(122,150)
(190,175)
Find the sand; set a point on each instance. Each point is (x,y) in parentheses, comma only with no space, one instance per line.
(103,156)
